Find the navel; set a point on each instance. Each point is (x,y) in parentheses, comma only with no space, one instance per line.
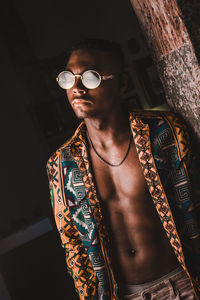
(132,252)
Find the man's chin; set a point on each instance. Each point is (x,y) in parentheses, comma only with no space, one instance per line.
(83,114)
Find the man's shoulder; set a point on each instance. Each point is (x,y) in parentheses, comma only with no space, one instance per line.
(175,122)
(153,114)
(172,127)
(54,158)
(53,161)
(170,117)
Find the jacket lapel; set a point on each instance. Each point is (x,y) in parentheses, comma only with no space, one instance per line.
(84,205)
(141,136)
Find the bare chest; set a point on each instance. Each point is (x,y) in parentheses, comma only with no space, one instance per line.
(125,181)
(124,194)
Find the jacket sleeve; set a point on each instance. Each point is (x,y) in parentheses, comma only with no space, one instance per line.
(194,174)
(78,263)
(192,165)
(191,209)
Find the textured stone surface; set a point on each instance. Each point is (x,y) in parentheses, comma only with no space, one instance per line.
(174,55)
(162,23)
(191,14)
(180,75)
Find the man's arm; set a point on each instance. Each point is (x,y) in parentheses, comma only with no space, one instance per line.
(192,210)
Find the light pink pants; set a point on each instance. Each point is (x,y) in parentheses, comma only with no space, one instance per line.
(176,286)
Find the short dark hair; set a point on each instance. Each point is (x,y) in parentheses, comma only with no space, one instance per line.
(108,46)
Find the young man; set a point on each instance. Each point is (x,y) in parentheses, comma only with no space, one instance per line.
(120,189)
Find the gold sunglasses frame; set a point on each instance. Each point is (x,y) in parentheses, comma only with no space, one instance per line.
(101,77)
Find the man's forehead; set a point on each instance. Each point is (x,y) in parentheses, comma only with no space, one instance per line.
(90,58)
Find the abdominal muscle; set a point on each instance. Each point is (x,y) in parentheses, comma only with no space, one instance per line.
(141,251)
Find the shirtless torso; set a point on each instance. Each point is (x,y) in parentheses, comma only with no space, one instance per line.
(140,248)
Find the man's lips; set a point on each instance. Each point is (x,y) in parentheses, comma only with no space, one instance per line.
(81,100)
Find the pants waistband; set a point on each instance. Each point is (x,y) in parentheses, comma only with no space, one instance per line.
(127,289)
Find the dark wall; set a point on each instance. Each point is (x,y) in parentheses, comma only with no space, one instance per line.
(36,120)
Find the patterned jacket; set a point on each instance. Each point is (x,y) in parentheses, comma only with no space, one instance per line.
(164,152)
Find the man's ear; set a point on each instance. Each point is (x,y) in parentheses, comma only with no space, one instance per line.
(123,83)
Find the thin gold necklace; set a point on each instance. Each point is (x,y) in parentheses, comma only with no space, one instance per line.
(103,160)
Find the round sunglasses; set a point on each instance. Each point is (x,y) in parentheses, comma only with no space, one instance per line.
(90,79)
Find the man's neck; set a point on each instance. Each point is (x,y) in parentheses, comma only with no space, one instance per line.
(110,129)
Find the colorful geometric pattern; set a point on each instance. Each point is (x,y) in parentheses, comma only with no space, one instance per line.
(164,152)
(143,146)
(78,263)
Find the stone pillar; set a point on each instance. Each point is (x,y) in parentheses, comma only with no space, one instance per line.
(174,56)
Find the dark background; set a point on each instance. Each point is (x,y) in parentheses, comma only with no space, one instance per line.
(36,120)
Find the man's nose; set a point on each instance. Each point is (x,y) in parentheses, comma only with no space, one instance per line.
(78,87)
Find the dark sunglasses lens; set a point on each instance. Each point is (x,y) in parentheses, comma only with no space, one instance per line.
(66,80)
(91,79)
